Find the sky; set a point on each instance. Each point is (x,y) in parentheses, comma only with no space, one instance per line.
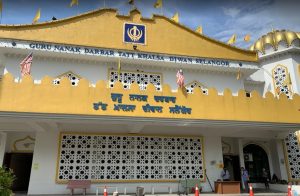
(220,19)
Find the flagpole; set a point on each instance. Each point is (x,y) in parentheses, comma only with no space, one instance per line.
(19,79)
(119,69)
(292,90)
(19,76)
(104,3)
(291,85)
(161,9)
(1,11)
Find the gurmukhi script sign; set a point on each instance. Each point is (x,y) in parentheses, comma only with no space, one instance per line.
(147,108)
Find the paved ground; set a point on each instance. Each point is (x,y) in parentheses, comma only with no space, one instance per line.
(257,192)
(206,194)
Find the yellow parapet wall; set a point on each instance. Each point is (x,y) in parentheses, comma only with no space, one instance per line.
(86,100)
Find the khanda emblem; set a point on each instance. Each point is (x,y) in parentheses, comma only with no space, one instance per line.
(134,33)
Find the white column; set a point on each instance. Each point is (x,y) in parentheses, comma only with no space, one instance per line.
(270,159)
(275,159)
(241,153)
(3,137)
(213,156)
(43,171)
(281,155)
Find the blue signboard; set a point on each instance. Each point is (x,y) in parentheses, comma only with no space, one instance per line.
(134,33)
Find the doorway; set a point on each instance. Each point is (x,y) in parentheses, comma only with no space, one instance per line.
(256,159)
(20,163)
(232,163)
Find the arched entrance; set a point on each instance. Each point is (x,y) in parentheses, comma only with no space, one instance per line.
(255,159)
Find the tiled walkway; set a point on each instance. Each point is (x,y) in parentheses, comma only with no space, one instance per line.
(256,193)
(206,194)
(245,194)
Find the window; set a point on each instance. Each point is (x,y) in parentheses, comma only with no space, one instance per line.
(248,94)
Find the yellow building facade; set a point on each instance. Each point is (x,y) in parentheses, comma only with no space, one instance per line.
(102,104)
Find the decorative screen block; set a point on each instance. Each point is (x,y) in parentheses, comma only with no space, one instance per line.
(282,80)
(104,157)
(74,79)
(190,87)
(141,78)
(293,156)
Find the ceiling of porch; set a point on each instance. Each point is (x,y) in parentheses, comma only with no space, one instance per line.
(16,122)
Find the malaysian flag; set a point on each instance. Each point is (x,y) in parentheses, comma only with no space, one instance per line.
(180,78)
(25,65)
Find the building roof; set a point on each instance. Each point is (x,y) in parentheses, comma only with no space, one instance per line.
(273,39)
(104,29)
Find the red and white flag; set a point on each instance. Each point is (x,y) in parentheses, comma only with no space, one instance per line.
(180,78)
(26,65)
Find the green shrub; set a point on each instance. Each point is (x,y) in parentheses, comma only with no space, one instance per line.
(6,181)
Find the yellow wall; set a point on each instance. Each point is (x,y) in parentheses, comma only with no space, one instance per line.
(66,99)
(104,28)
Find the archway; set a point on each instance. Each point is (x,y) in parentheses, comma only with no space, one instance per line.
(256,159)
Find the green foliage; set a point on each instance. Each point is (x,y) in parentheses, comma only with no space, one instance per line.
(6,181)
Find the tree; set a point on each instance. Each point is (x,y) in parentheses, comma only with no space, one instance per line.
(6,181)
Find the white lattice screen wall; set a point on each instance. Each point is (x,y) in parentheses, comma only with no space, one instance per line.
(102,157)
(293,156)
(282,80)
(140,78)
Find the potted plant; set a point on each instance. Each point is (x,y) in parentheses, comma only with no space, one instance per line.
(6,181)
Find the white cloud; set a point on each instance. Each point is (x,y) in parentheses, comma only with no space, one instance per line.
(219,19)
(233,12)
(258,20)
